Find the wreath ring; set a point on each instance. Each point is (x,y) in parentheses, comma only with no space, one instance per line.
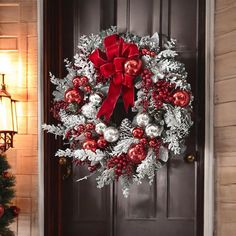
(151,83)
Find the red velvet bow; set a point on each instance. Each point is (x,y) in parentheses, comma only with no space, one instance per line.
(111,64)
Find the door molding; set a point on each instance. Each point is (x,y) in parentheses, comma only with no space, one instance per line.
(209,121)
(209,115)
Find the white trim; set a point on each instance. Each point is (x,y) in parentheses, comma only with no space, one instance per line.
(209,124)
(40,118)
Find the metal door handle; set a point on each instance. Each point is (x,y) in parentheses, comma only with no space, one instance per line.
(190,158)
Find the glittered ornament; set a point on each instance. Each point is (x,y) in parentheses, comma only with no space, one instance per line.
(111,134)
(100,127)
(89,111)
(142,119)
(1,210)
(181,98)
(101,142)
(72,95)
(132,67)
(95,99)
(153,131)
(137,153)
(138,132)
(90,144)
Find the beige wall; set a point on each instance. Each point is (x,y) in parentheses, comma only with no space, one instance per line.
(18,44)
(225,116)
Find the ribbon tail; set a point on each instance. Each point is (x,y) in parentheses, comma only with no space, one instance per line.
(128,97)
(109,103)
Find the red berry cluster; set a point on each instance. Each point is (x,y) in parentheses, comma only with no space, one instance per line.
(146,79)
(162,93)
(122,165)
(91,168)
(154,143)
(82,82)
(146,85)
(148,52)
(100,78)
(86,129)
(56,107)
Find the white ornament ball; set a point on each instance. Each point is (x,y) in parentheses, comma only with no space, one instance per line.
(153,131)
(89,110)
(142,119)
(111,134)
(100,127)
(95,99)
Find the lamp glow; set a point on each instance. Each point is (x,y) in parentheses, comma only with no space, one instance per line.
(8,118)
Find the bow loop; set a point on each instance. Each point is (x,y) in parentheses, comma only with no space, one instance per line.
(98,58)
(112,64)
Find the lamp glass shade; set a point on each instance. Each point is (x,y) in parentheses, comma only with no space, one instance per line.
(6,114)
(14,116)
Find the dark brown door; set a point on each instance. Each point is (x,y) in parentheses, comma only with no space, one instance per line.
(173,205)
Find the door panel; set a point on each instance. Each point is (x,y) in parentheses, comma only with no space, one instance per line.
(174,203)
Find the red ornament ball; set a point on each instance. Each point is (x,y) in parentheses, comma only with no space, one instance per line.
(90,144)
(1,210)
(15,210)
(138,132)
(132,67)
(101,142)
(137,153)
(6,174)
(73,95)
(181,98)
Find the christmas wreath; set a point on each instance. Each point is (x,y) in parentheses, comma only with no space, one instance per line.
(151,84)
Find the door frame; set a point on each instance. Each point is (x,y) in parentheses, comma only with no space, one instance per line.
(209,178)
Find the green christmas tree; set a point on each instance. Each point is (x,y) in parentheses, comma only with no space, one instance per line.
(7,211)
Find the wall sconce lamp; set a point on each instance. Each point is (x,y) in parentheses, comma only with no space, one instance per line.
(8,118)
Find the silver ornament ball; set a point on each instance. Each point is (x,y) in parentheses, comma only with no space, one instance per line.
(89,111)
(142,119)
(153,131)
(100,127)
(111,134)
(95,99)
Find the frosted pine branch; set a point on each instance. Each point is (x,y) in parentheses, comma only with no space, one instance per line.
(53,129)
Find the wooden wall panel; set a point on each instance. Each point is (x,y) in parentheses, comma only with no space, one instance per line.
(225,66)
(225,44)
(225,116)
(225,91)
(225,20)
